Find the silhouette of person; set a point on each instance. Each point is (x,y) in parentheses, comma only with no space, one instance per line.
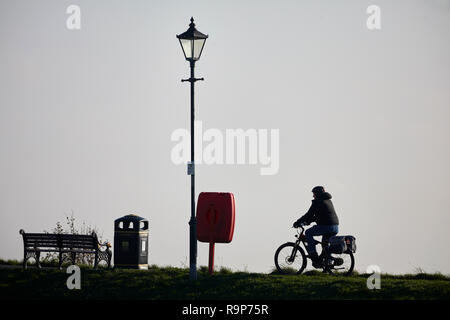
(323,214)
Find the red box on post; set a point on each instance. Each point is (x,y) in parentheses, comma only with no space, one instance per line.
(215,217)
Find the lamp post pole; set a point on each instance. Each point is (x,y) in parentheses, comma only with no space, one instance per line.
(191,172)
(192,42)
(193,221)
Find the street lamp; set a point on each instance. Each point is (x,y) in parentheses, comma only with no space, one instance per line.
(192,42)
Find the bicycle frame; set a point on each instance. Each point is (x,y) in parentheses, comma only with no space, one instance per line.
(301,238)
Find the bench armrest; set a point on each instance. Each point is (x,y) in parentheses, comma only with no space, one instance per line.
(104,244)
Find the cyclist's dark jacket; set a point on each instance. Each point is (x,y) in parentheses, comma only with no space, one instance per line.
(321,211)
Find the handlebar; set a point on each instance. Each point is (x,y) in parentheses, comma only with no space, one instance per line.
(300,231)
(301,226)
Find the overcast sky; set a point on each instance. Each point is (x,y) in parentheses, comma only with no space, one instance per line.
(86,118)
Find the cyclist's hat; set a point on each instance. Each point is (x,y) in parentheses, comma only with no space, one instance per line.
(318,190)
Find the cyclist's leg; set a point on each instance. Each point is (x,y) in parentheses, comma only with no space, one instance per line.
(311,246)
(331,231)
(310,234)
(318,230)
(329,259)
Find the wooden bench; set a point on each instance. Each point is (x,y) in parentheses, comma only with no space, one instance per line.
(66,245)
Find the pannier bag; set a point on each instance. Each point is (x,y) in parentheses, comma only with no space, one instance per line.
(350,241)
(337,245)
(342,244)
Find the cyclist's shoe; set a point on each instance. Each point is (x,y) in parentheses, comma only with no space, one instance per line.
(316,261)
(338,262)
(317,264)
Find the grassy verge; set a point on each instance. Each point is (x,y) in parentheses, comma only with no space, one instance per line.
(172,283)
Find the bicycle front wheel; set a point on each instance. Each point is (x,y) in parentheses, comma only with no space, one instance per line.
(290,259)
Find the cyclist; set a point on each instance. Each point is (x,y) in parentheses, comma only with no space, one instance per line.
(322,213)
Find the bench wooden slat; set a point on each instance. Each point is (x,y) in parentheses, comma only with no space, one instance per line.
(43,245)
(75,236)
(78,247)
(43,249)
(42,236)
(77,240)
(78,243)
(69,236)
(42,239)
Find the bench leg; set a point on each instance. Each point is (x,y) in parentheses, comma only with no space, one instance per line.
(60,261)
(37,257)
(96,260)
(73,257)
(25,259)
(109,253)
(103,256)
(28,255)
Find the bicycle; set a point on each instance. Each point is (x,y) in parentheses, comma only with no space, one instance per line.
(291,257)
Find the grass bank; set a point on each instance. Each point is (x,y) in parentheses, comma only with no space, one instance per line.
(168,283)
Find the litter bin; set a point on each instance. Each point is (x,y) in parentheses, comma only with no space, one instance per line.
(131,242)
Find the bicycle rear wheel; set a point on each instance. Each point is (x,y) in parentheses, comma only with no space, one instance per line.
(290,259)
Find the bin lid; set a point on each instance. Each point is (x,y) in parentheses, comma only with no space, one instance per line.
(130,218)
